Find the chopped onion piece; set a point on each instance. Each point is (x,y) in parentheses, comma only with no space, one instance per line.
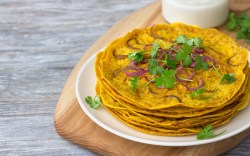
(137,73)
(133,64)
(199,50)
(180,70)
(191,75)
(199,86)
(116,72)
(192,65)
(207,58)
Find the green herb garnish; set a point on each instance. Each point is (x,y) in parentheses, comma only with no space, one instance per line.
(155,49)
(195,41)
(154,69)
(134,83)
(232,24)
(137,56)
(207,133)
(197,93)
(199,64)
(170,63)
(167,79)
(240,24)
(93,103)
(184,55)
(230,78)
(182,39)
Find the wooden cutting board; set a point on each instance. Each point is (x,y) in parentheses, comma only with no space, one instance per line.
(72,124)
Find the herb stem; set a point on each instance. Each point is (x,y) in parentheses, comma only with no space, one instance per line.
(217,71)
(185,79)
(143,51)
(150,81)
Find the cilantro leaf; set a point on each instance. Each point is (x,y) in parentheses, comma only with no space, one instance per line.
(207,133)
(199,64)
(154,68)
(230,78)
(137,56)
(167,79)
(240,24)
(170,63)
(134,83)
(240,35)
(190,42)
(196,41)
(187,48)
(183,54)
(187,61)
(197,93)
(204,65)
(180,55)
(155,49)
(231,25)
(181,39)
(93,103)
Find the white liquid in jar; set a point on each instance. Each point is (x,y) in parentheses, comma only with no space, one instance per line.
(204,13)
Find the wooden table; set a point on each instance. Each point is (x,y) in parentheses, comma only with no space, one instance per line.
(40,42)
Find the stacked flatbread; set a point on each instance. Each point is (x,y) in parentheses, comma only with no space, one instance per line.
(172,111)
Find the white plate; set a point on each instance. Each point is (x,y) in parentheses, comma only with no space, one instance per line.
(85,86)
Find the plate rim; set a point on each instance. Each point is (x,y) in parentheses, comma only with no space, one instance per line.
(142,140)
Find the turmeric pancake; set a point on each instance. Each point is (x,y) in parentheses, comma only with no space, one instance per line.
(170,112)
(225,112)
(173,79)
(211,79)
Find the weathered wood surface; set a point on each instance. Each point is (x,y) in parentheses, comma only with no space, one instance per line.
(40,42)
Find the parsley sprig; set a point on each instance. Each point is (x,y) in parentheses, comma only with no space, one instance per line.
(155,49)
(182,39)
(199,64)
(154,68)
(93,102)
(240,24)
(198,93)
(167,79)
(136,56)
(184,55)
(170,63)
(229,78)
(207,133)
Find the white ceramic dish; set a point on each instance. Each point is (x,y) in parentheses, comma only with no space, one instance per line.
(85,86)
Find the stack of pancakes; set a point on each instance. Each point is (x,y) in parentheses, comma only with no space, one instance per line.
(173,112)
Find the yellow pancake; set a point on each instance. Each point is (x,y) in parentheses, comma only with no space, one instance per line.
(212,81)
(173,112)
